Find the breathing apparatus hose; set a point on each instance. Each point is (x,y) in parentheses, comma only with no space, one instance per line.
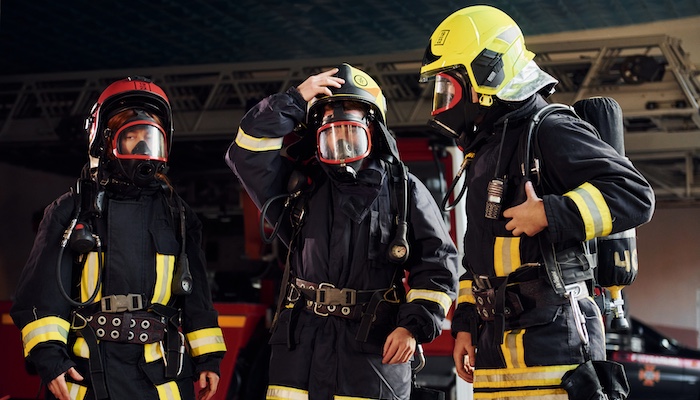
(465,163)
(64,242)
(263,213)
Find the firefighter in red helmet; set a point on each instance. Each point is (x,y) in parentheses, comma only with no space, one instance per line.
(115,289)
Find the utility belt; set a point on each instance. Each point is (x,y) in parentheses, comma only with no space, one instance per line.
(126,319)
(324,300)
(522,297)
(528,287)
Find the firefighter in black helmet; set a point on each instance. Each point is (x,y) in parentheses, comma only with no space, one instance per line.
(115,289)
(527,287)
(345,327)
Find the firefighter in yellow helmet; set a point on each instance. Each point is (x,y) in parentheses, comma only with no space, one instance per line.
(345,328)
(521,318)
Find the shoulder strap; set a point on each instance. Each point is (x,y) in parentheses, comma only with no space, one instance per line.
(398,247)
(531,166)
(182,280)
(531,171)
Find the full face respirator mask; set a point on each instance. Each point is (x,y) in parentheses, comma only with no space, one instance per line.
(453,113)
(343,139)
(139,146)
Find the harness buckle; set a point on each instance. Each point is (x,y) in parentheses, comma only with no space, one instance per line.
(392,296)
(84,321)
(119,303)
(483,282)
(329,295)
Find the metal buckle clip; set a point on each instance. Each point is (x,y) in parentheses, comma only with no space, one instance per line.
(482,282)
(573,292)
(83,320)
(328,295)
(119,303)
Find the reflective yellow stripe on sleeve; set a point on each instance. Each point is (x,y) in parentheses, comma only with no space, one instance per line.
(430,295)
(44,330)
(466,292)
(205,341)
(594,210)
(245,141)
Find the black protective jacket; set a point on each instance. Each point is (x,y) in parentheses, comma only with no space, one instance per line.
(344,240)
(140,243)
(588,189)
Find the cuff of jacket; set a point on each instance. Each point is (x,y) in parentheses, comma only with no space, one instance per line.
(208,362)
(465,319)
(49,361)
(294,93)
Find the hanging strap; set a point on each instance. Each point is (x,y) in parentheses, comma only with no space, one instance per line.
(97,372)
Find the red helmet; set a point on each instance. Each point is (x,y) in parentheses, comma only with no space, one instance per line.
(136,93)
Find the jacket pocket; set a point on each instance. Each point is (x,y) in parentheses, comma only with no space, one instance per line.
(164,238)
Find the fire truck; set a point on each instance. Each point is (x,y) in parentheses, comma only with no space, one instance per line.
(651,77)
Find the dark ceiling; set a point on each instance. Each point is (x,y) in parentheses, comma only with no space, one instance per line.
(41,36)
(56,38)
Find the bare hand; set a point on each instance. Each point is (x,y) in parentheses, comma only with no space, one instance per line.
(398,347)
(318,84)
(208,382)
(58,386)
(463,355)
(529,217)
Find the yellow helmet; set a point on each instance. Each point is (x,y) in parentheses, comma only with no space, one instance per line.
(483,40)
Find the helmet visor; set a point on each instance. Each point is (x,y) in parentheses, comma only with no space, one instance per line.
(140,140)
(448,92)
(343,142)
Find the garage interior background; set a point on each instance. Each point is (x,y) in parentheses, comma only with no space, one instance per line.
(47,44)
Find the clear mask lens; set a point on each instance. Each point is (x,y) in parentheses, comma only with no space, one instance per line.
(448,92)
(140,140)
(343,142)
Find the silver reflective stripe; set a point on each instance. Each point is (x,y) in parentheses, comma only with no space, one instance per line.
(430,295)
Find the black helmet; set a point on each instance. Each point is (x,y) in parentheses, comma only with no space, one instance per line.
(358,87)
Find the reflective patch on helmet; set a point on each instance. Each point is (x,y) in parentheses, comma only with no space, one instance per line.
(510,35)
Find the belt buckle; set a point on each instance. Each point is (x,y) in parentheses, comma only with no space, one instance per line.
(321,292)
(482,282)
(328,295)
(118,303)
